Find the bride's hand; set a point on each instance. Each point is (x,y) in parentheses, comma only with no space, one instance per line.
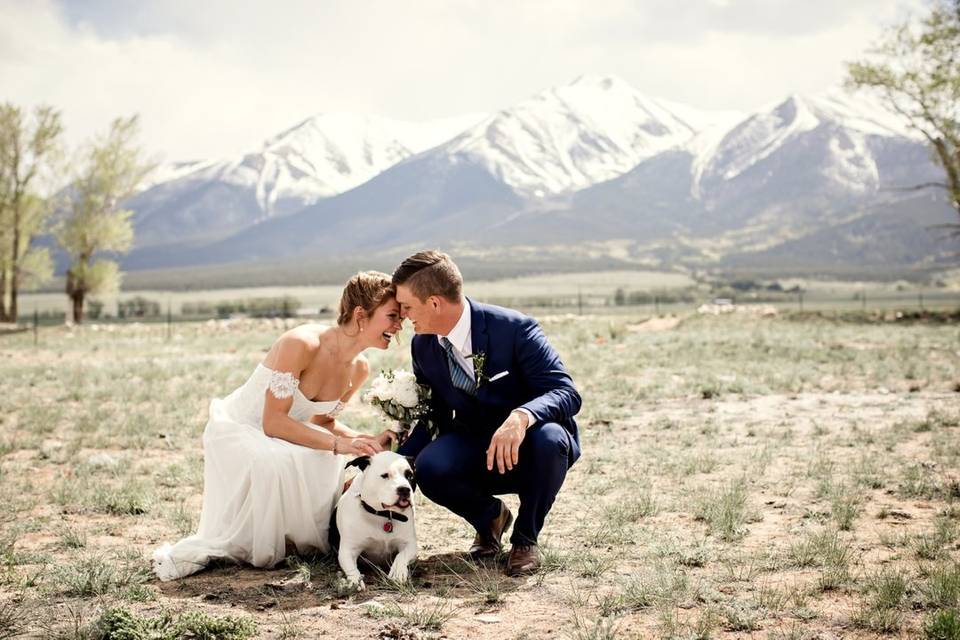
(359,446)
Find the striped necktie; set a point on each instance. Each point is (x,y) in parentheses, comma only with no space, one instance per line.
(461,377)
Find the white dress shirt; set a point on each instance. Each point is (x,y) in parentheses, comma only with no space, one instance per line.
(462,341)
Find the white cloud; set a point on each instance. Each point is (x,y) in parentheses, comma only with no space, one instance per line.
(218,77)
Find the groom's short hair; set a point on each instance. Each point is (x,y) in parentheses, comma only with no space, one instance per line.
(430,273)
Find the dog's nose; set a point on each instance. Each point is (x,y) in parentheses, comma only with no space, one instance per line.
(403,492)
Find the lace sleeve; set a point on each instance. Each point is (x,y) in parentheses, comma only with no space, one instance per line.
(283,384)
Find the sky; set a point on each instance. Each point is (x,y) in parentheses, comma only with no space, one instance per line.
(216,78)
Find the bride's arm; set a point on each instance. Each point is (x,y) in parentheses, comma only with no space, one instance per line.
(337,428)
(360,373)
(292,354)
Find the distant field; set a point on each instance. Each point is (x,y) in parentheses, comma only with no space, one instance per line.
(572,292)
(589,284)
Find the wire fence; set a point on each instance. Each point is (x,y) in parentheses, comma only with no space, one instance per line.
(623,302)
(142,309)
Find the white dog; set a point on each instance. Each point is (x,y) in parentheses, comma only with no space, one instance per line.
(374,517)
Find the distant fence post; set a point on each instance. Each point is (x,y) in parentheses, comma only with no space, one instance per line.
(579,301)
(656,304)
(169,321)
(36,326)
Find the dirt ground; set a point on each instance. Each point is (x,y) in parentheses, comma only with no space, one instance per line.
(740,478)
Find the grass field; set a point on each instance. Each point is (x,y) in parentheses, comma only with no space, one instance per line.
(782,477)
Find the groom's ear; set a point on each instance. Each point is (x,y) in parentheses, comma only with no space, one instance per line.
(361,462)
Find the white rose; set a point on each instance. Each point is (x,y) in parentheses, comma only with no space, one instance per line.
(381,389)
(404,378)
(407,397)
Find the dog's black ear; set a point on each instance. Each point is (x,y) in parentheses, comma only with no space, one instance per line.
(412,461)
(361,462)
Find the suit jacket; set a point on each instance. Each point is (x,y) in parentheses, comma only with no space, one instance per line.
(536,379)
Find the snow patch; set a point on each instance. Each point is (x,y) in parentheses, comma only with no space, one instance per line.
(571,137)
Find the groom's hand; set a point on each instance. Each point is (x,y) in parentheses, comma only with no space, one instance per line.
(504,446)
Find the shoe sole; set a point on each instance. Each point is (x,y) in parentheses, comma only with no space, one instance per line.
(525,571)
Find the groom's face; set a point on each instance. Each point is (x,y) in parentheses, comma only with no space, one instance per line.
(423,314)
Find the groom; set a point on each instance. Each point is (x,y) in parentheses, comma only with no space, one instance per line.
(503,403)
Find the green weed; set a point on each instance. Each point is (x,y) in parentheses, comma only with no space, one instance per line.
(725,510)
(120,624)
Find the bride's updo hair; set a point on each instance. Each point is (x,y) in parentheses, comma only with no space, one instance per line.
(367,290)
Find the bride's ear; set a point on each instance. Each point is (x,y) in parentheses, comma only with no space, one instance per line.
(359,314)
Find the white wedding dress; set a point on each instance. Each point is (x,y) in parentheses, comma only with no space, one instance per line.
(259,493)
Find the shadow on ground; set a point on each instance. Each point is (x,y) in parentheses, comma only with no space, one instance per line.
(304,582)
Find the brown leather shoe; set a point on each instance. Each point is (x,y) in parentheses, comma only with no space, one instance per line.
(524,559)
(488,544)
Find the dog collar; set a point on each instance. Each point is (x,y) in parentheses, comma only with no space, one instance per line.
(389,515)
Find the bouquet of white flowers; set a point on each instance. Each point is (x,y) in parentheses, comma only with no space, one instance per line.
(400,397)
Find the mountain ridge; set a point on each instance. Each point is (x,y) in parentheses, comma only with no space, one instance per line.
(597,161)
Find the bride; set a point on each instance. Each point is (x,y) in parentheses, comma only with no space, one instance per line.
(274,450)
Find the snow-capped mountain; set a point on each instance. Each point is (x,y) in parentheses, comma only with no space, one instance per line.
(332,153)
(318,158)
(805,167)
(570,137)
(803,181)
(723,158)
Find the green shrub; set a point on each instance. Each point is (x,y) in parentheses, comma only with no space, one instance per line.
(725,510)
(942,588)
(121,624)
(943,625)
(138,307)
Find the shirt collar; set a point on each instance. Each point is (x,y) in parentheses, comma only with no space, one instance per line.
(461,331)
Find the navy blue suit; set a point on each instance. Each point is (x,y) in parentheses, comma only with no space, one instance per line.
(452,469)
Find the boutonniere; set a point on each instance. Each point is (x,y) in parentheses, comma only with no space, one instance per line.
(479,360)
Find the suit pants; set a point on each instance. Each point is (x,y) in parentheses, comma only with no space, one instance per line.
(452,471)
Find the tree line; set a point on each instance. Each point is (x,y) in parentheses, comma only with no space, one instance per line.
(77,204)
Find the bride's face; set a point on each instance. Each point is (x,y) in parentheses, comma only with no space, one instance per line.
(384,324)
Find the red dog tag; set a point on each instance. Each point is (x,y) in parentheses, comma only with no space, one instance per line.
(388,527)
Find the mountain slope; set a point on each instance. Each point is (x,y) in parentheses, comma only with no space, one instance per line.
(800,169)
(318,158)
(426,199)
